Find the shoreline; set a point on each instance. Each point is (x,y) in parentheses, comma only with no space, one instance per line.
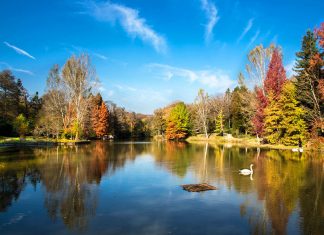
(248,142)
(40,143)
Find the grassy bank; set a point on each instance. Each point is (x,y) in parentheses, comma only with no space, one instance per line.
(246,141)
(31,141)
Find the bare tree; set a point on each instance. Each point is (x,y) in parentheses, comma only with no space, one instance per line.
(57,98)
(259,59)
(79,76)
(202,110)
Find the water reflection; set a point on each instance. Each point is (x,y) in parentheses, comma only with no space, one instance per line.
(284,196)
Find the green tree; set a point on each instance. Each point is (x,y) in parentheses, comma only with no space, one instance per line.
(241,109)
(178,123)
(158,122)
(219,123)
(21,125)
(307,79)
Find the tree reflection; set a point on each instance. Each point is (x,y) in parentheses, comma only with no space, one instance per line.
(312,198)
(283,182)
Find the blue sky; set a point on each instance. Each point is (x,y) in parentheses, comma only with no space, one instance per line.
(149,53)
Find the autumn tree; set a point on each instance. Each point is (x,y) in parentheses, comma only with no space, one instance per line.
(178,123)
(276,75)
(78,76)
(101,128)
(317,61)
(219,123)
(284,119)
(21,125)
(273,83)
(159,122)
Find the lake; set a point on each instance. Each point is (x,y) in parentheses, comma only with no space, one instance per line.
(134,188)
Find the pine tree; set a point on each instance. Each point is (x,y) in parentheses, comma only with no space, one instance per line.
(178,123)
(307,79)
(219,129)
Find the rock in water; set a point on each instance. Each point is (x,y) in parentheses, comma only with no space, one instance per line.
(198,187)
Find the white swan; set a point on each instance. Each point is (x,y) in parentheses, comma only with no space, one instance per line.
(247,171)
(297,150)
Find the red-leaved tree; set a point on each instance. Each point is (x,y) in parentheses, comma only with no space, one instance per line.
(258,119)
(276,75)
(99,120)
(275,79)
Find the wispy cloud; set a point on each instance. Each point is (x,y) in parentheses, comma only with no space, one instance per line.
(216,79)
(289,68)
(100,56)
(130,21)
(255,36)
(7,66)
(211,12)
(19,50)
(246,29)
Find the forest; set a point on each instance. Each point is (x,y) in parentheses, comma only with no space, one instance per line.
(265,104)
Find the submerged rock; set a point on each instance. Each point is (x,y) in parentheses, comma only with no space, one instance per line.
(198,187)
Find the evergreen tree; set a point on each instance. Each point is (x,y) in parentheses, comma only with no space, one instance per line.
(219,127)
(241,107)
(307,79)
(178,123)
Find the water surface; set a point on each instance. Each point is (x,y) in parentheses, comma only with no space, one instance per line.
(134,188)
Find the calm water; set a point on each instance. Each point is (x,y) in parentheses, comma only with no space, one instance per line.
(133,188)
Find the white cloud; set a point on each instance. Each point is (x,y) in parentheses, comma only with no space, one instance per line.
(255,36)
(216,79)
(289,68)
(211,12)
(19,51)
(130,21)
(100,56)
(246,29)
(7,66)
(136,99)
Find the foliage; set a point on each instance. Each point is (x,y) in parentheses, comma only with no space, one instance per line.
(275,78)
(284,119)
(158,122)
(276,75)
(178,123)
(308,79)
(219,123)
(21,125)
